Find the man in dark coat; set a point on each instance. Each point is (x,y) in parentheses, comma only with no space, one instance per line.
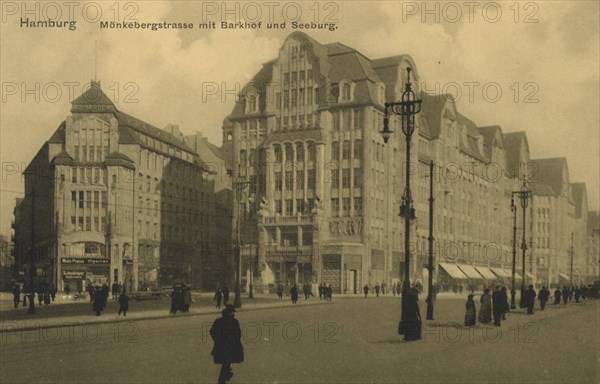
(294,294)
(366,290)
(557,295)
(280,290)
(16,295)
(105,291)
(176,299)
(218,298)
(227,337)
(306,291)
(123,303)
(186,299)
(504,297)
(225,294)
(530,299)
(577,294)
(565,294)
(543,297)
(498,306)
(97,301)
(377,290)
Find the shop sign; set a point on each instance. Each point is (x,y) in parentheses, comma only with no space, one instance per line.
(74,274)
(73,260)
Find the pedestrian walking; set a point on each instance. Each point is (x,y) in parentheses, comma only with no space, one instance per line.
(294,294)
(377,288)
(227,338)
(218,298)
(306,291)
(176,297)
(186,299)
(383,288)
(411,329)
(498,306)
(504,296)
(471,311)
(97,299)
(543,297)
(485,311)
(366,290)
(530,295)
(105,291)
(557,295)
(225,294)
(47,296)
(123,303)
(16,294)
(394,289)
(280,290)
(321,290)
(577,293)
(114,290)
(565,294)
(328,293)
(571,291)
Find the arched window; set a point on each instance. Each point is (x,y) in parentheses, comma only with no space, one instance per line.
(289,154)
(299,152)
(312,152)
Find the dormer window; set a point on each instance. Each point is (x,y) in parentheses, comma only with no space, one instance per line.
(346,91)
(252,102)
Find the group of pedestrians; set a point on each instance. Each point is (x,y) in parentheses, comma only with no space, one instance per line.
(493,307)
(181,298)
(45,295)
(569,292)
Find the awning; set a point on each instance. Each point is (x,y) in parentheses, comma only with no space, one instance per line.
(486,273)
(501,272)
(517,276)
(453,271)
(470,272)
(530,276)
(564,276)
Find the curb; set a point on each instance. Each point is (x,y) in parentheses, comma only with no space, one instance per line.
(49,323)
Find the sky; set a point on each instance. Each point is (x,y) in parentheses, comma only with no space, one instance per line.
(525,66)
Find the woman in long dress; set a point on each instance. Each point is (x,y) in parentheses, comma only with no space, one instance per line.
(485,312)
(470,314)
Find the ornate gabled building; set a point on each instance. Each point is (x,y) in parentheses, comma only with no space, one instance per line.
(324,190)
(110,198)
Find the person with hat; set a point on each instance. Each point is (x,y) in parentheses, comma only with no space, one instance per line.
(530,299)
(470,314)
(485,311)
(227,337)
(294,294)
(498,306)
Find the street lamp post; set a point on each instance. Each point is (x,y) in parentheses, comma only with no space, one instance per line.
(513,208)
(407,109)
(251,257)
(240,185)
(524,194)
(430,294)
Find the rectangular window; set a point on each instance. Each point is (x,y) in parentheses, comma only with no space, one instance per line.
(96,200)
(76,154)
(278,100)
(335,207)
(74,200)
(289,180)
(299,180)
(345,178)
(299,205)
(278,206)
(346,206)
(311,182)
(96,223)
(104,196)
(309,96)
(81,199)
(74,175)
(357,123)
(84,153)
(357,206)
(88,199)
(80,223)
(335,178)
(357,177)
(289,207)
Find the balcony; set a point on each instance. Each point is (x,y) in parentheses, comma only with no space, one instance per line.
(289,220)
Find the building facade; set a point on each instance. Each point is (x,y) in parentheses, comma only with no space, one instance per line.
(110,198)
(324,190)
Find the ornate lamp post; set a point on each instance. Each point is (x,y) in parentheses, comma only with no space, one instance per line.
(240,184)
(407,109)
(513,209)
(430,294)
(524,194)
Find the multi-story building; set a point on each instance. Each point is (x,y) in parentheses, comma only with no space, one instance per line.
(110,198)
(6,263)
(325,190)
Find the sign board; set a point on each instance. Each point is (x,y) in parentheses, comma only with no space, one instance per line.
(73,260)
(74,275)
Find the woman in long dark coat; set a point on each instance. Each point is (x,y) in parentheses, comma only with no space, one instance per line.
(485,312)
(227,338)
(294,294)
(412,318)
(471,311)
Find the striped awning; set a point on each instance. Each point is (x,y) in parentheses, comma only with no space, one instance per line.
(470,272)
(453,271)
(486,273)
(501,272)
(564,276)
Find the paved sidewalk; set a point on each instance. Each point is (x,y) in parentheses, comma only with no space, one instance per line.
(54,322)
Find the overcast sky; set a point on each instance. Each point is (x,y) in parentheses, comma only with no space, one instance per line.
(543,57)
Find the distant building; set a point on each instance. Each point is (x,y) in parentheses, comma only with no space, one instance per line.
(6,263)
(114,199)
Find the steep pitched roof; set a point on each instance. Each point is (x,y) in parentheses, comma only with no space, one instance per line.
(471,147)
(63,158)
(512,148)
(579,194)
(431,112)
(59,135)
(539,189)
(490,133)
(551,172)
(93,99)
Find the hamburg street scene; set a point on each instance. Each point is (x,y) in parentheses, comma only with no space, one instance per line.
(300,192)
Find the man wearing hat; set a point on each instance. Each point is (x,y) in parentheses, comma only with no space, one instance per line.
(227,336)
